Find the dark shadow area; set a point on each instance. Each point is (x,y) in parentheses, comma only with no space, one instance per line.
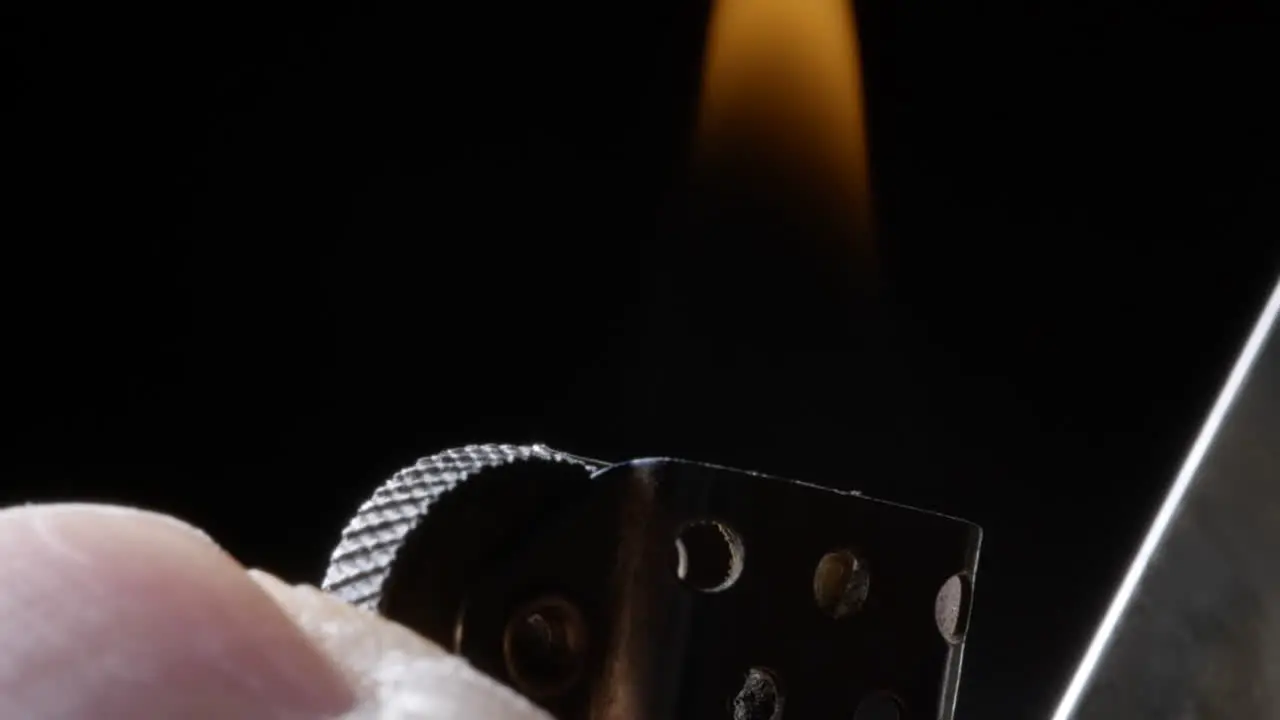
(256,258)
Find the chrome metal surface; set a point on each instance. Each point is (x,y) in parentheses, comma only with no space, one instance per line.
(1194,629)
(665,590)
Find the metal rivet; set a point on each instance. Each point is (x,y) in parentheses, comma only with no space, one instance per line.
(544,646)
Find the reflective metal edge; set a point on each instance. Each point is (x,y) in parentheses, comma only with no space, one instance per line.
(1194,629)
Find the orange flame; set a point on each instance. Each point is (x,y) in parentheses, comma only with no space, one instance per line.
(782,93)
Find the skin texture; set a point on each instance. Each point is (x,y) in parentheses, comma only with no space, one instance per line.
(110,612)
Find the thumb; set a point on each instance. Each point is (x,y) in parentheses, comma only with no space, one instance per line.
(115,614)
(396,673)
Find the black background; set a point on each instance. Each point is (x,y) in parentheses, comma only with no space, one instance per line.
(256,257)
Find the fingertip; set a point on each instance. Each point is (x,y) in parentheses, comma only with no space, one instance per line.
(111,612)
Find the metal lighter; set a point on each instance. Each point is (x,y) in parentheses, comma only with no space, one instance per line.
(657,588)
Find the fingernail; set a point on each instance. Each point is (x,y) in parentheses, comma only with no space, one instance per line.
(111,612)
